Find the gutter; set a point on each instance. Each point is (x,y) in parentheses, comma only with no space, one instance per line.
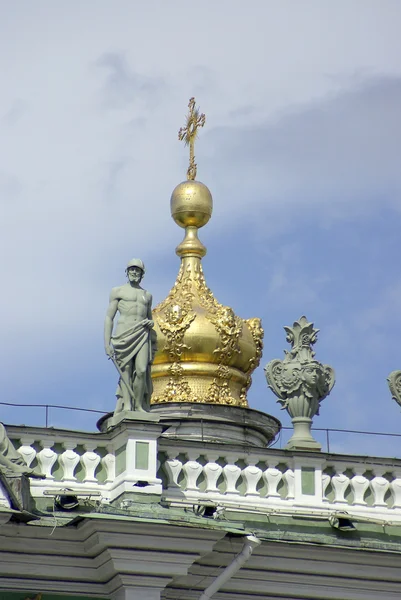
(251,542)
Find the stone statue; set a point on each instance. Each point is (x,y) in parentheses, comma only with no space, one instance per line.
(394,383)
(300,382)
(11,461)
(133,344)
(14,475)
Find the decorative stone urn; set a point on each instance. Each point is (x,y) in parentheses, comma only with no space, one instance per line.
(300,382)
(394,383)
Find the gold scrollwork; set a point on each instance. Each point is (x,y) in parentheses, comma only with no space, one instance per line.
(219,390)
(229,327)
(176,322)
(205,294)
(255,327)
(181,292)
(177,389)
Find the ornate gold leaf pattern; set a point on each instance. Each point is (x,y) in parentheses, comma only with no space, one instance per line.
(219,390)
(205,294)
(177,321)
(229,328)
(255,327)
(191,301)
(181,292)
(177,389)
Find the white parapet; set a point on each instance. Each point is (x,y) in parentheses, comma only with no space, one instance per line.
(134,457)
(281,482)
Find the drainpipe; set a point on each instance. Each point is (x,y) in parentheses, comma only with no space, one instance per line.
(251,542)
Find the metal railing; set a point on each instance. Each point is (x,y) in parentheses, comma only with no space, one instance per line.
(277,443)
(48,406)
(327,432)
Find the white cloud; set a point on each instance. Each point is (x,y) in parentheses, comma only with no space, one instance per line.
(302,104)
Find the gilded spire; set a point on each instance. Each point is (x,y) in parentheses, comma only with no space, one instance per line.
(189,133)
(205,352)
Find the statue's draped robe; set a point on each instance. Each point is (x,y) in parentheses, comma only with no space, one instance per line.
(126,346)
(8,454)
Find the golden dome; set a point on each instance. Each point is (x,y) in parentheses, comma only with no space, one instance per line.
(205,352)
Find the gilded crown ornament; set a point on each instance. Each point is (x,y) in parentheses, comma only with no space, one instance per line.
(300,382)
(206,354)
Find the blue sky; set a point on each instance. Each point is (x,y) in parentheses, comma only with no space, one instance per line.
(300,151)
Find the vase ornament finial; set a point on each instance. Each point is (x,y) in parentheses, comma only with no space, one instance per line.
(300,382)
(394,383)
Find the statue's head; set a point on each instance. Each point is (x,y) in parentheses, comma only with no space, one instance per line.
(135,270)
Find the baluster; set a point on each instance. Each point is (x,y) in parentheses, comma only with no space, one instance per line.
(4,501)
(90,461)
(26,450)
(69,460)
(272,476)
(359,485)
(46,458)
(109,463)
(192,470)
(325,484)
(252,474)
(172,468)
(379,487)
(212,472)
(231,473)
(340,483)
(289,477)
(395,486)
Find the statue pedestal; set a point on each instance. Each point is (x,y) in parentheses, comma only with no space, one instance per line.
(111,420)
(302,438)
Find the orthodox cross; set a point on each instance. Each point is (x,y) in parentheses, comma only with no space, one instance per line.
(188,133)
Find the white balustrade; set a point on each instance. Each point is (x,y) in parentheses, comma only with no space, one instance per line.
(203,474)
(395,486)
(46,459)
(359,485)
(192,470)
(90,461)
(109,464)
(340,483)
(379,486)
(272,477)
(252,474)
(212,472)
(27,451)
(289,477)
(173,468)
(231,473)
(69,460)
(326,479)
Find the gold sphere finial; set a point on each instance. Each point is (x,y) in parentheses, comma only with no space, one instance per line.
(191,204)
(191,201)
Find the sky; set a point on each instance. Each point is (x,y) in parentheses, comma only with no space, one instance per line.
(301,151)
